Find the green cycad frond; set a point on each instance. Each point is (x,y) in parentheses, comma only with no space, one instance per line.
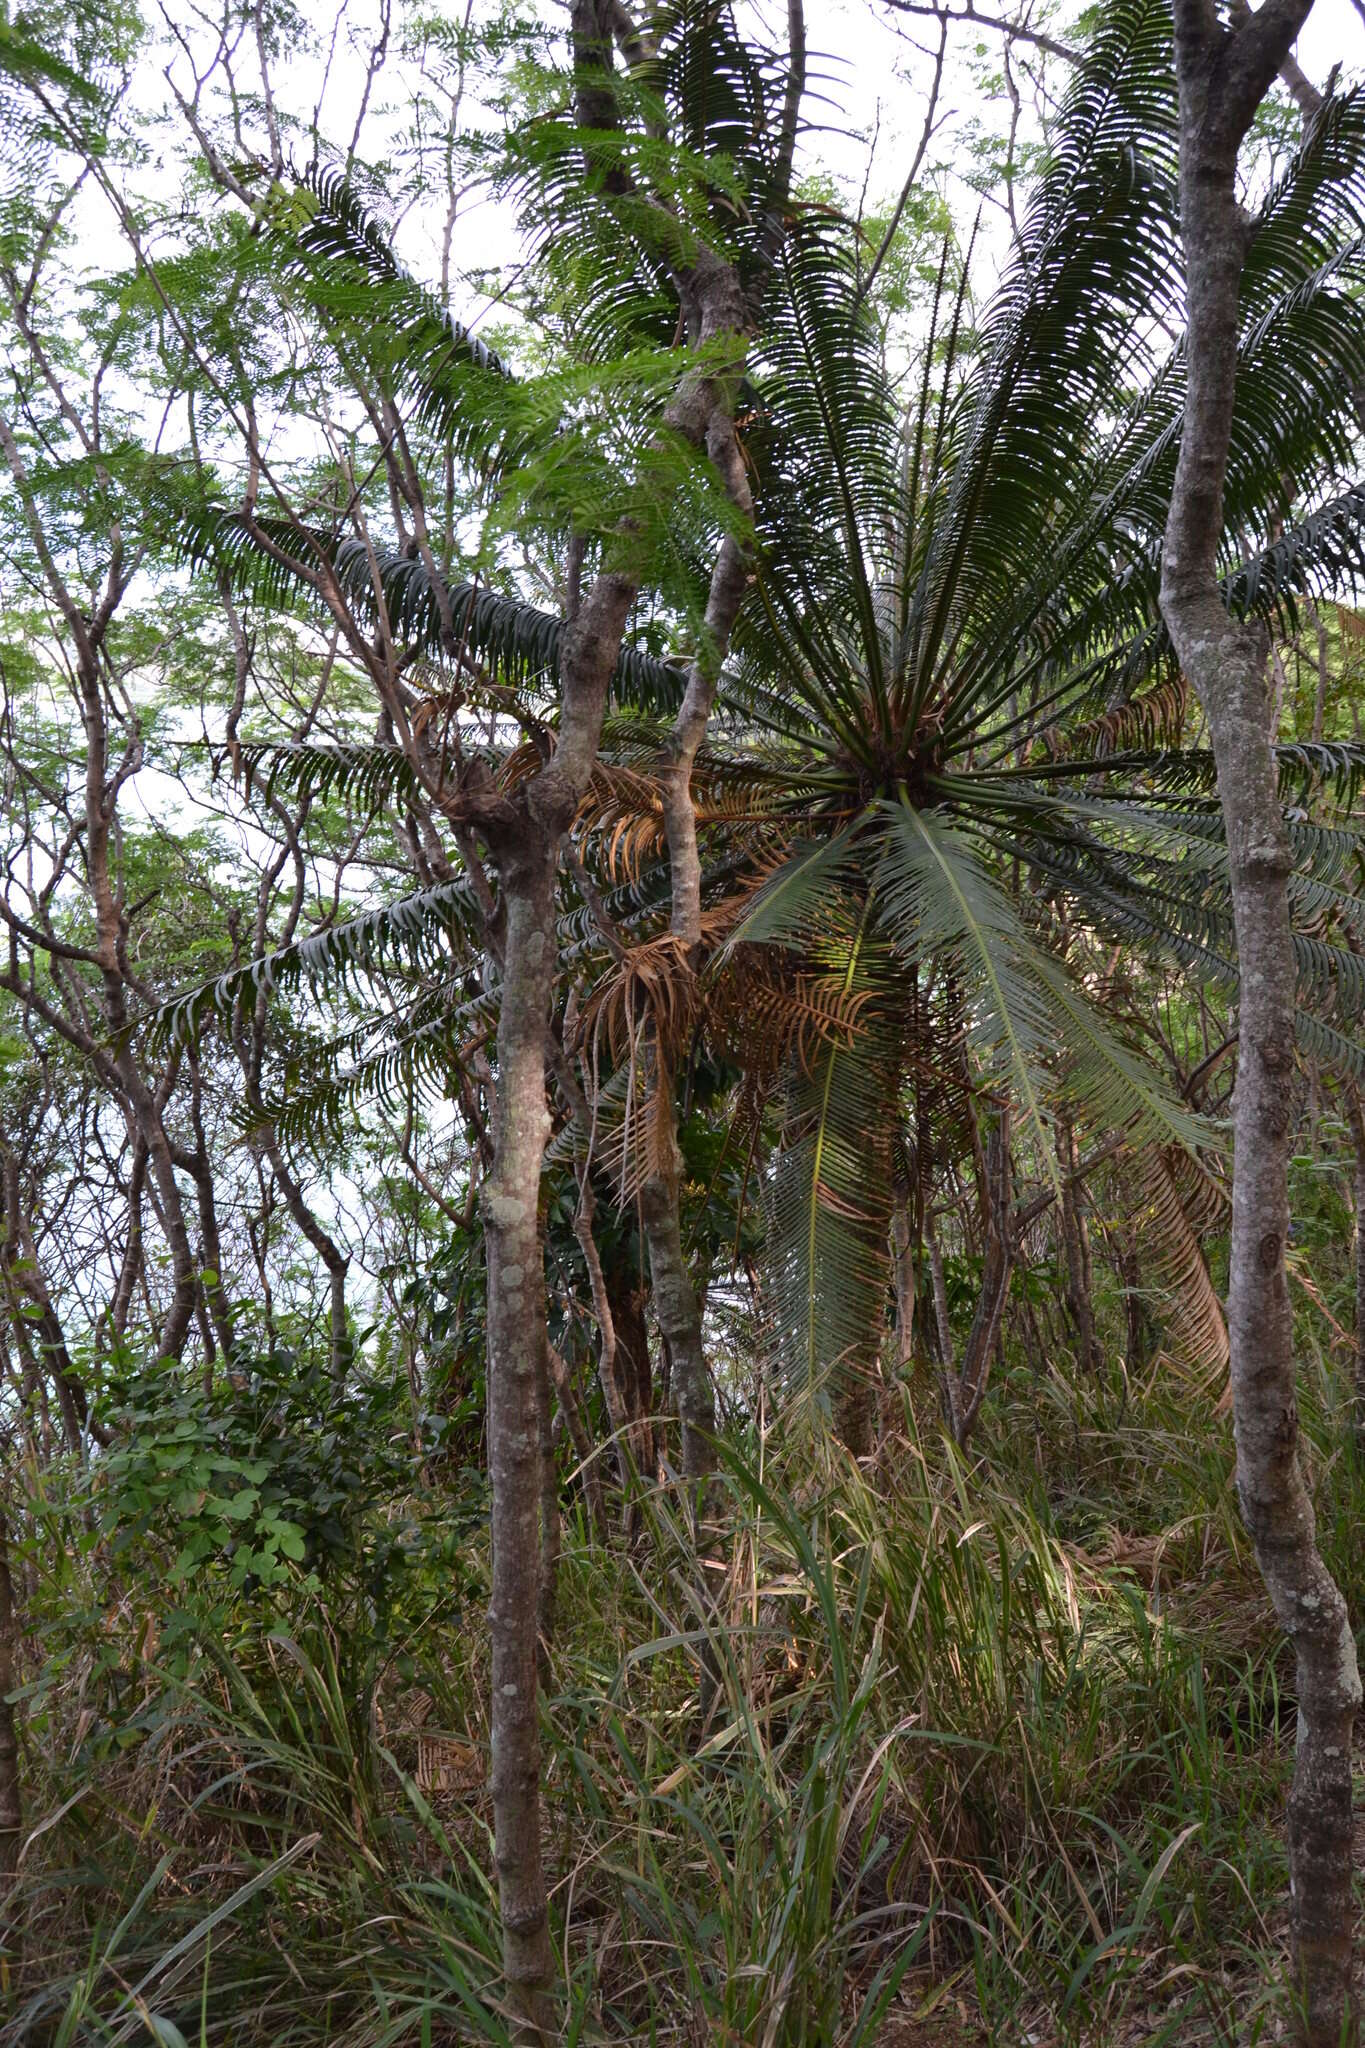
(1065,661)
(515,641)
(826,1253)
(417,932)
(1333,1049)
(1032,553)
(339,255)
(797,901)
(1126,897)
(369,776)
(824,437)
(1315,207)
(828,1191)
(1319,769)
(393,1058)
(1092,580)
(1029,1023)
(1070,323)
(338,227)
(689,139)
(1322,555)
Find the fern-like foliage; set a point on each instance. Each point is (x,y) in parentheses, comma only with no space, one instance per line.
(976,689)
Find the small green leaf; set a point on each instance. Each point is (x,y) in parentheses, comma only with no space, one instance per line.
(165,2032)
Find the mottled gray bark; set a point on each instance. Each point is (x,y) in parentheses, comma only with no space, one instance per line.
(1356,1114)
(525,832)
(11,1784)
(1223,76)
(525,839)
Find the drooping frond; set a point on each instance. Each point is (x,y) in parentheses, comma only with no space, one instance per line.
(278,563)
(394,1057)
(827,1194)
(1029,1024)
(417,932)
(338,254)
(1173,1265)
(367,776)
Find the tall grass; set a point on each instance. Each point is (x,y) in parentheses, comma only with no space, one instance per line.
(1012,1732)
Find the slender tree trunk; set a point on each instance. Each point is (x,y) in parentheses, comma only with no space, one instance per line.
(1223,76)
(678,1308)
(903,1242)
(517,1360)
(1356,1113)
(965,1385)
(626,1297)
(609,1376)
(525,835)
(11,1790)
(943,1329)
(575,1422)
(551,1533)
(30,1306)
(130,1265)
(1074,1238)
(718,308)
(327,1249)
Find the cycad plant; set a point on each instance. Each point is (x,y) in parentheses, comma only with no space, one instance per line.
(954,747)
(948,745)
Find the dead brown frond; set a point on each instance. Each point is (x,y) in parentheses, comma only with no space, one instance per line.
(1170,1249)
(623,811)
(1154,719)
(762,1010)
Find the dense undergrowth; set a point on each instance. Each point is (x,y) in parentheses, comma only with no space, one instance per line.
(1001,1744)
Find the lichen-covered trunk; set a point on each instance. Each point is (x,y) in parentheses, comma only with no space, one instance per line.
(1357,1118)
(1224,74)
(525,835)
(1271,1486)
(11,1791)
(517,1368)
